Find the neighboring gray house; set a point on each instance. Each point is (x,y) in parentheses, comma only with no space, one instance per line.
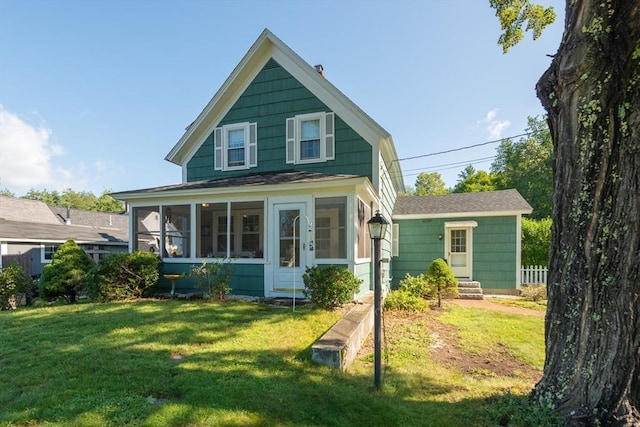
(31,231)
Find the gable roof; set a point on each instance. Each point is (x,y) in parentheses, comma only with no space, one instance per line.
(488,203)
(26,220)
(268,46)
(25,210)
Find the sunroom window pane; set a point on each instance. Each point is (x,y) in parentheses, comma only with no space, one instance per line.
(177,226)
(330,228)
(146,229)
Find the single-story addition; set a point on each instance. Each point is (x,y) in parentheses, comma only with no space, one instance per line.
(280,172)
(478,234)
(31,231)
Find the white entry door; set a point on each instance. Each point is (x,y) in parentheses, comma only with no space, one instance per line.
(290,248)
(458,247)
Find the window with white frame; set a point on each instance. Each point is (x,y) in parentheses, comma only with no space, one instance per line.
(47,251)
(236,146)
(310,138)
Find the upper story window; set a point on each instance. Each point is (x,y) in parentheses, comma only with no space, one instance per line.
(310,138)
(236,146)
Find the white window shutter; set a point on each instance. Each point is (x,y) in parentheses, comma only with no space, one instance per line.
(253,145)
(329,138)
(291,140)
(218,152)
(395,240)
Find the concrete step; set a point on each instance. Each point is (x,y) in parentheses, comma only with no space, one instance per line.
(470,290)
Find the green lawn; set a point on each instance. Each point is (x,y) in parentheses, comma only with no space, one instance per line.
(176,363)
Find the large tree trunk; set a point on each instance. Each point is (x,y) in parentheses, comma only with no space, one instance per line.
(592,95)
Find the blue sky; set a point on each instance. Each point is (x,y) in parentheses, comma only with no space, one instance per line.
(94,94)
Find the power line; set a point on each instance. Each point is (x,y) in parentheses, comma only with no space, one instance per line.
(449,165)
(467,147)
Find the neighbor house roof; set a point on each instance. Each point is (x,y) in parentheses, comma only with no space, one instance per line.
(269,46)
(33,221)
(25,210)
(251,182)
(489,203)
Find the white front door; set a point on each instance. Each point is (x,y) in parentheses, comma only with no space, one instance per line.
(290,248)
(458,251)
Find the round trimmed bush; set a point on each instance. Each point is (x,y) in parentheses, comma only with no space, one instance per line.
(330,286)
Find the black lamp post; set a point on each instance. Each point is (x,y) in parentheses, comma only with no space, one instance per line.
(377,230)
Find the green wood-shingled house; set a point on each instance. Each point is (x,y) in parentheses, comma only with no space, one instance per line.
(281,171)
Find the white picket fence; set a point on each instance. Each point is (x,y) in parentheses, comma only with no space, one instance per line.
(533,274)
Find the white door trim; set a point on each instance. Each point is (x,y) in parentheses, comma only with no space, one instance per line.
(273,267)
(465,271)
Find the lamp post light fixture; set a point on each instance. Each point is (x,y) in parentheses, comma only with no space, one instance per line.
(377,230)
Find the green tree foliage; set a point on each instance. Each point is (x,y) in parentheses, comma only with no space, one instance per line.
(46,196)
(513,14)
(430,184)
(7,193)
(440,275)
(536,238)
(83,200)
(330,286)
(123,276)
(472,181)
(527,166)
(13,281)
(67,274)
(106,203)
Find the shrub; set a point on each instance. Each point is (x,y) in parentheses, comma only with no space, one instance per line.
(536,238)
(404,300)
(534,292)
(13,281)
(441,277)
(66,276)
(124,276)
(330,286)
(213,278)
(417,286)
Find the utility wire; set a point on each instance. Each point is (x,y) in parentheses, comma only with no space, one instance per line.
(466,147)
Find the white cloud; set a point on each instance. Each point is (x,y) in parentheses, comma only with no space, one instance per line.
(493,126)
(26,154)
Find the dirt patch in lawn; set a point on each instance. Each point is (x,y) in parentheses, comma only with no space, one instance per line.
(445,350)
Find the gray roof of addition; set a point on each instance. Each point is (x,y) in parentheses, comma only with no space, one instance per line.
(498,202)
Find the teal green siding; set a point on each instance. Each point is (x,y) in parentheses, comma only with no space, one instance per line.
(419,246)
(272,97)
(494,252)
(247,279)
(494,249)
(363,272)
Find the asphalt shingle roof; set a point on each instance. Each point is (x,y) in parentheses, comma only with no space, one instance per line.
(256,179)
(490,201)
(33,220)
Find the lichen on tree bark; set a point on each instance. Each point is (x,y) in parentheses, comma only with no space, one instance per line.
(592,96)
